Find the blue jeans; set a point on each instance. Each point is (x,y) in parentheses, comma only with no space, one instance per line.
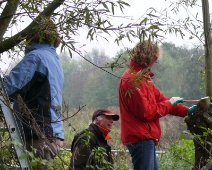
(143,155)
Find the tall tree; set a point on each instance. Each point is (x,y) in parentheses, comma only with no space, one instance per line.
(208,47)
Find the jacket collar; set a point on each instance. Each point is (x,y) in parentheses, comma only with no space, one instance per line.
(105,132)
(134,67)
(34,45)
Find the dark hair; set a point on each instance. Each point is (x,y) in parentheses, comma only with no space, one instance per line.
(145,53)
(45,31)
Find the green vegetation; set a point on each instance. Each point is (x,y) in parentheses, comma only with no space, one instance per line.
(179,73)
(179,156)
(88,87)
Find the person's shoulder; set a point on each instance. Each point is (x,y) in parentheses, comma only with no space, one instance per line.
(82,133)
(31,57)
(40,56)
(42,53)
(82,136)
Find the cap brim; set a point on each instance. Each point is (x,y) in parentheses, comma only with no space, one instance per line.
(114,116)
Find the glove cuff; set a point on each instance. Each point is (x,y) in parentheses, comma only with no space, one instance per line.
(191,110)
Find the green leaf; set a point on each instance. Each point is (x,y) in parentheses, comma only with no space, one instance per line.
(33,163)
(112,7)
(23,156)
(105,6)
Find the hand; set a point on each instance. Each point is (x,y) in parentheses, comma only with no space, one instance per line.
(191,110)
(175,100)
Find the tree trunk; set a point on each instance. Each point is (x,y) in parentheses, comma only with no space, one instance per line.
(208,47)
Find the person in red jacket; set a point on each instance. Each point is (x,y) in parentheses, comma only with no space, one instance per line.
(142,105)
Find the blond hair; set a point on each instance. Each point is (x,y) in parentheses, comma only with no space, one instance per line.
(145,53)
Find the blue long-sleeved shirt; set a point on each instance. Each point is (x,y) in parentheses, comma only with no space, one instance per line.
(39,79)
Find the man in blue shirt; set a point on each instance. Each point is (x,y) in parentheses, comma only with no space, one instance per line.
(35,85)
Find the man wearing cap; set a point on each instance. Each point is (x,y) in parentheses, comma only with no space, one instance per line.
(94,140)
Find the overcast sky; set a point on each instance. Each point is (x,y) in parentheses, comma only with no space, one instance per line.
(137,8)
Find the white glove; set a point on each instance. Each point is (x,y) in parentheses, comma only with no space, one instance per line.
(175,100)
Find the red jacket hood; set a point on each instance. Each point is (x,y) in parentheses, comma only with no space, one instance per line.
(136,68)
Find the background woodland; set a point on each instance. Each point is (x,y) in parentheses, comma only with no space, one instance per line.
(178,73)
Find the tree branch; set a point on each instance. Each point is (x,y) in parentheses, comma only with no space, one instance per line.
(9,10)
(14,40)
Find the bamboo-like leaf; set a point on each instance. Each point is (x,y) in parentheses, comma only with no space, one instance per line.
(123,3)
(70,53)
(112,7)
(105,6)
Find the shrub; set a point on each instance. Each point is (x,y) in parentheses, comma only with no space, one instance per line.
(180,155)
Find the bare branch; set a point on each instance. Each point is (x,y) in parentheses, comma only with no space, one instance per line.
(9,10)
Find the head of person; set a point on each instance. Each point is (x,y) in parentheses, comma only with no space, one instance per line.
(44,31)
(104,118)
(145,54)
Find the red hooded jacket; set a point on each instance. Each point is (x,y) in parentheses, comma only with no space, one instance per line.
(141,105)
